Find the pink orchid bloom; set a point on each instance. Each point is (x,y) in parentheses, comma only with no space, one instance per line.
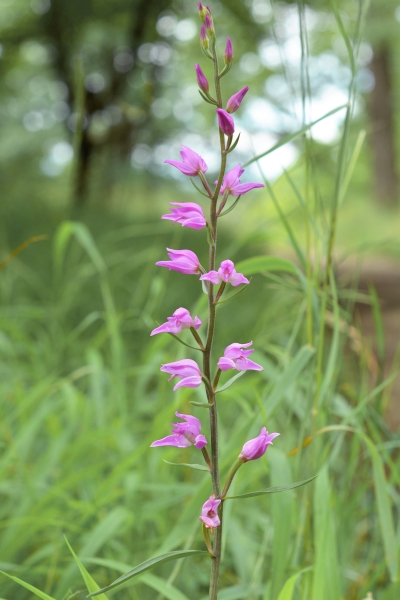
(184,434)
(235,101)
(228,54)
(236,358)
(226,273)
(231,183)
(188,214)
(192,163)
(202,80)
(257,447)
(203,37)
(181,319)
(187,370)
(225,122)
(209,512)
(184,261)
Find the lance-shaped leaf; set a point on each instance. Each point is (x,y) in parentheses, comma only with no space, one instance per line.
(230,381)
(30,587)
(272,490)
(90,582)
(188,466)
(149,564)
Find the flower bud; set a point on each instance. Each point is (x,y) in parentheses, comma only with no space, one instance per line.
(202,79)
(228,54)
(235,101)
(225,122)
(203,11)
(210,26)
(203,37)
(256,447)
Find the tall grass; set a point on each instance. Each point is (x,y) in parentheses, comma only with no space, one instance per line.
(82,398)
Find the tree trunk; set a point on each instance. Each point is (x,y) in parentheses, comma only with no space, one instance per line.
(383,137)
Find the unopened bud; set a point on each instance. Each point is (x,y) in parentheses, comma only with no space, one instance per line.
(228,54)
(203,11)
(202,79)
(235,101)
(210,26)
(225,122)
(203,37)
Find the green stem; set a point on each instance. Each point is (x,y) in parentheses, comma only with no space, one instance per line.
(234,469)
(216,560)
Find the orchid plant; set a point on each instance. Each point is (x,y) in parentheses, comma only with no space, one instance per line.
(236,355)
(190,373)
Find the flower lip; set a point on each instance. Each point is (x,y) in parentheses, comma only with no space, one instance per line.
(226,273)
(192,163)
(187,370)
(184,434)
(188,214)
(232,185)
(209,512)
(184,261)
(235,357)
(181,319)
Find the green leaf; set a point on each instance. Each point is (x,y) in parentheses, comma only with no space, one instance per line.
(292,136)
(182,342)
(30,587)
(259,264)
(235,143)
(286,592)
(188,466)
(90,582)
(272,490)
(149,564)
(199,189)
(228,210)
(201,404)
(230,381)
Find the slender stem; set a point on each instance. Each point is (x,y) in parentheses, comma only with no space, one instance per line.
(215,562)
(234,469)
(206,457)
(197,338)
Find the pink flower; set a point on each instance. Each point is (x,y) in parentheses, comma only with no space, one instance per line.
(228,54)
(187,370)
(188,214)
(227,273)
(235,101)
(231,183)
(184,434)
(236,358)
(192,163)
(209,25)
(181,319)
(209,512)
(184,261)
(257,447)
(201,79)
(225,122)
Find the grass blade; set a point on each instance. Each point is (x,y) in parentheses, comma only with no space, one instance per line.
(259,264)
(149,564)
(90,582)
(29,587)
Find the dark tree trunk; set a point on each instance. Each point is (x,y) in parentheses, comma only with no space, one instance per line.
(383,135)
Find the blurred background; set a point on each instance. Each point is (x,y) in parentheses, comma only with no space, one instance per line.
(94,96)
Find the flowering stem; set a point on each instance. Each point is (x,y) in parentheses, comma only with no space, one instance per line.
(215,562)
(234,469)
